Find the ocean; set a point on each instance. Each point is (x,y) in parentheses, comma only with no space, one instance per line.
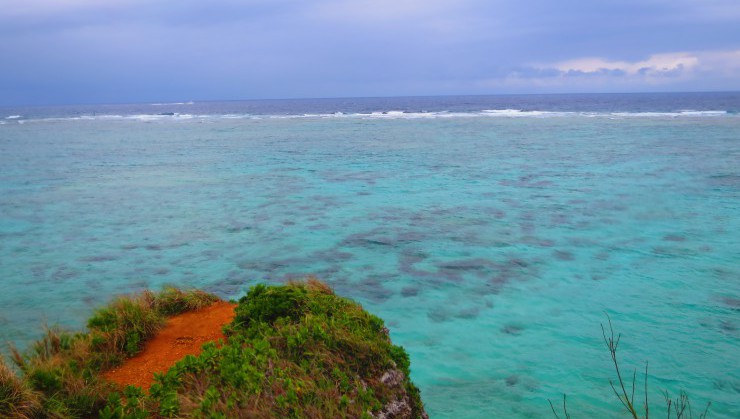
(494,234)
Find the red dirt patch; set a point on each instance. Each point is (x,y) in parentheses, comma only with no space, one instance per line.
(182,335)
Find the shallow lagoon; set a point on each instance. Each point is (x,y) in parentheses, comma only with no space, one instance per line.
(490,245)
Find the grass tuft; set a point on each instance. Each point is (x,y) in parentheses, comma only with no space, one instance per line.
(125,324)
(17,399)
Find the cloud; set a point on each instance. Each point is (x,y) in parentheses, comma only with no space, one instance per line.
(696,70)
(721,63)
(658,65)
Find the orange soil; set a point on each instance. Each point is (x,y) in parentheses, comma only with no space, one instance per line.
(182,335)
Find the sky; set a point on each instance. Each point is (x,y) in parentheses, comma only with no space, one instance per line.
(126,51)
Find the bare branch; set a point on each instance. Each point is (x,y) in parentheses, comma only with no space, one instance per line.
(553,409)
(619,396)
(704,415)
(647,406)
(678,408)
(612,344)
(668,402)
(565,408)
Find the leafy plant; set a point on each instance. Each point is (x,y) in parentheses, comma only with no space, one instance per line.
(131,406)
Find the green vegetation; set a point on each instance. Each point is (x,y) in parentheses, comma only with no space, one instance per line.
(16,397)
(123,326)
(678,408)
(60,373)
(293,351)
(296,350)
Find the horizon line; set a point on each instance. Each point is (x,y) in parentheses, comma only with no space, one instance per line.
(192,101)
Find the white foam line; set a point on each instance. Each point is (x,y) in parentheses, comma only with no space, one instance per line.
(173,103)
(396,114)
(670,114)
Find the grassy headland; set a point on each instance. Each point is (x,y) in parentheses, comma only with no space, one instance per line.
(296,350)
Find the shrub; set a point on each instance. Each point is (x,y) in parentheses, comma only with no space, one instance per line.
(295,350)
(267,304)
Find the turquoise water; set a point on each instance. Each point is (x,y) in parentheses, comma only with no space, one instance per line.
(491,243)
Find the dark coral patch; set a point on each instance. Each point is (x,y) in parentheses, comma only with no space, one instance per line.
(563,255)
(732,302)
(512,329)
(674,238)
(468,313)
(466,265)
(99,258)
(438,315)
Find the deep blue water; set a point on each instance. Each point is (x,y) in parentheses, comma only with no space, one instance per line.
(491,232)
(572,103)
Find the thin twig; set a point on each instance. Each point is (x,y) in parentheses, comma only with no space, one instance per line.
(553,409)
(680,405)
(565,408)
(619,396)
(704,415)
(612,344)
(668,402)
(647,407)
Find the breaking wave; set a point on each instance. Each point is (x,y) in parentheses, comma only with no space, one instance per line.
(390,114)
